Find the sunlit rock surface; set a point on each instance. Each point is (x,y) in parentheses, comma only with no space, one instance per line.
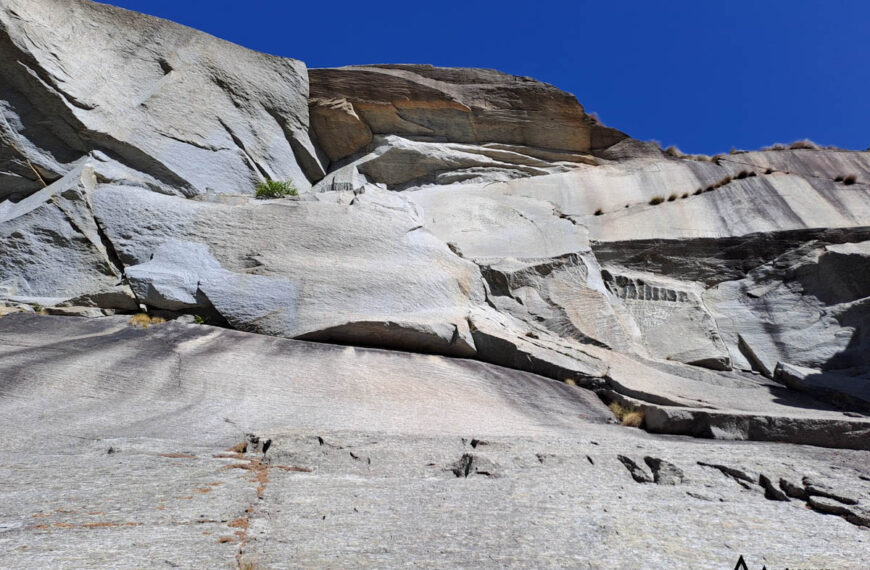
(410,360)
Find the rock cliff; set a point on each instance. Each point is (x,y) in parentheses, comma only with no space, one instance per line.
(438,213)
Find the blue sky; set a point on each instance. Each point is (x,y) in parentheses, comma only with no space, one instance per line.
(705,76)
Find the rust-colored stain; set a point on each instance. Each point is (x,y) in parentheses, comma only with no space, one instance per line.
(226,539)
(203,489)
(160,507)
(239,523)
(178,455)
(215,484)
(109,524)
(228,456)
(103,524)
(95,513)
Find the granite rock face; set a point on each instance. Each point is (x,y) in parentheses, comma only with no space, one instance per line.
(440,213)
(453,211)
(199,114)
(220,448)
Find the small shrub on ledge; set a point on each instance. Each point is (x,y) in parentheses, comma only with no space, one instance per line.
(627,415)
(270,189)
(656,200)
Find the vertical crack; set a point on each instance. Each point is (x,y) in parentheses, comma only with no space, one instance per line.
(252,164)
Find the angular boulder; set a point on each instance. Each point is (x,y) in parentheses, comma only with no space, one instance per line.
(461,105)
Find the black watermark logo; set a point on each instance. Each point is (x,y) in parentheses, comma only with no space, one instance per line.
(741,565)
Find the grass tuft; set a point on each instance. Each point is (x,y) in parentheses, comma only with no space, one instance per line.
(599,211)
(850,179)
(656,200)
(275,189)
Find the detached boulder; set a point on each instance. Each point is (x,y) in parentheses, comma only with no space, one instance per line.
(339,129)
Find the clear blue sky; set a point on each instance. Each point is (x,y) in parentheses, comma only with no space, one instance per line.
(702,75)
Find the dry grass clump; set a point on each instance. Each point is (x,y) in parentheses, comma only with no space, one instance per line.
(675,152)
(656,200)
(850,179)
(39,309)
(240,447)
(145,320)
(806,144)
(684,196)
(721,183)
(599,211)
(777,146)
(672,197)
(627,415)
(699,191)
